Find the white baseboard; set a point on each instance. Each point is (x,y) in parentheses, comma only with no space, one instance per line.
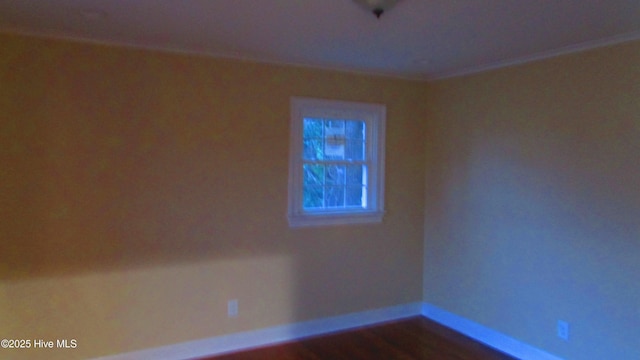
(270,336)
(278,334)
(483,334)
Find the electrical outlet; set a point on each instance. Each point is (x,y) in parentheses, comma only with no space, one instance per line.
(563,330)
(232,308)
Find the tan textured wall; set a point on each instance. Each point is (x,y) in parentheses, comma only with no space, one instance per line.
(139,191)
(533,201)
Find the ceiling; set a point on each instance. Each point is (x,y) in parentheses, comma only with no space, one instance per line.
(418,39)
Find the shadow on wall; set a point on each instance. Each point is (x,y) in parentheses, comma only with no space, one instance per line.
(138,195)
(533,213)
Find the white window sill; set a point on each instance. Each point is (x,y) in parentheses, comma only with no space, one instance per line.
(328,219)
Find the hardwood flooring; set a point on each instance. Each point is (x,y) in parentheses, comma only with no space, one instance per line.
(414,338)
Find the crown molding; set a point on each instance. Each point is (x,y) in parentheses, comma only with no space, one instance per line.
(425,77)
(584,46)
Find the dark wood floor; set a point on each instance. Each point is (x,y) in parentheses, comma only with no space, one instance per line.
(413,338)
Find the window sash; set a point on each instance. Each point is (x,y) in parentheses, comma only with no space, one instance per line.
(345,137)
(350,189)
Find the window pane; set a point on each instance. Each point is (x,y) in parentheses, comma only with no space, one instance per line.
(334,196)
(334,139)
(312,139)
(313,149)
(355,175)
(356,185)
(354,149)
(312,128)
(355,140)
(355,129)
(313,196)
(313,174)
(356,196)
(335,174)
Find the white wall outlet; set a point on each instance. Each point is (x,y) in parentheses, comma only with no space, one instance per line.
(232,308)
(563,330)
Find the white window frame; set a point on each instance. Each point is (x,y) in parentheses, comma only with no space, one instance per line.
(374,116)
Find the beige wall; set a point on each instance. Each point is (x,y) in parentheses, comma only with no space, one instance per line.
(533,201)
(139,191)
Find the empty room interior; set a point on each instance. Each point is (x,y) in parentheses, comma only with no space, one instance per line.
(145,186)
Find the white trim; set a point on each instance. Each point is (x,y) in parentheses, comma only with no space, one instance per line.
(375,117)
(336,219)
(278,334)
(270,336)
(486,335)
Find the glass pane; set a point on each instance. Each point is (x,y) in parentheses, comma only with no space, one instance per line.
(337,185)
(312,149)
(354,149)
(312,128)
(356,196)
(355,129)
(313,174)
(334,139)
(355,140)
(312,197)
(334,196)
(335,126)
(355,175)
(335,174)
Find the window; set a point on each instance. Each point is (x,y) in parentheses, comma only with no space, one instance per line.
(336,169)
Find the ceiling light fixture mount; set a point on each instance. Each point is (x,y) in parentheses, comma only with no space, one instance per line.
(377,7)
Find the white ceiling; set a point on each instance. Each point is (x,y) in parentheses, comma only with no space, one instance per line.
(421,39)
